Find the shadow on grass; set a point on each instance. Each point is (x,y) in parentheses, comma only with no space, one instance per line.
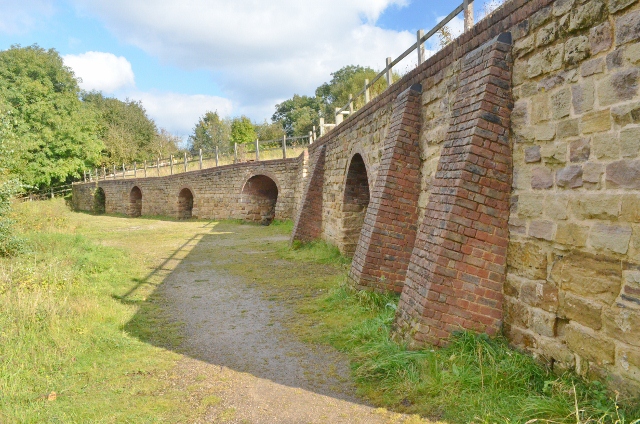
(201,307)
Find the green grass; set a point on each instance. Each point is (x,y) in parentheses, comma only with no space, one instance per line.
(474,379)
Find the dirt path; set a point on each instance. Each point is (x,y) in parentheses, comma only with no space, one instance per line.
(244,362)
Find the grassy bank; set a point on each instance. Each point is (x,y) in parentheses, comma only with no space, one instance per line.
(473,379)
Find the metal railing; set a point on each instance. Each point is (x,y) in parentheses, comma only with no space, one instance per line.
(260,150)
(466,7)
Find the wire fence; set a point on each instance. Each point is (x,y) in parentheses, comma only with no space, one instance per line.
(260,150)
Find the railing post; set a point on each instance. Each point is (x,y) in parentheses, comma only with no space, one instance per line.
(200,158)
(185,161)
(235,152)
(321,127)
(419,36)
(350,104)
(468,14)
(124,170)
(52,196)
(158,166)
(310,137)
(338,116)
(135,169)
(257,150)
(389,75)
(171,163)
(85,175)
(284,146)
(145,168)
(114,171)
(367,95)
(104,172)
(216,155)
(97,174)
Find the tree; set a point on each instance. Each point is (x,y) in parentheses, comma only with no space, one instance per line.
(55,134)
(269,131)
(298,115)
(164,144)
(127,132)
(242,131)
(210,132)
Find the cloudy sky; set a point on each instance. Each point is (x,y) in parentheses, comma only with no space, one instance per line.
(182,58)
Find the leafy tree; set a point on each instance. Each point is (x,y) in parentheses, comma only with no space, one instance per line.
(54,132)
(242,131)
(127,132)
(164,144)
(269,131)
(209,132)
(9,186)
(298,115)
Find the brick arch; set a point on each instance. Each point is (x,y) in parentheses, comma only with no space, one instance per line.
(355,200)
(259,197)
(135,202)
(358,150)
(265,172)
(185,203)
(99,201)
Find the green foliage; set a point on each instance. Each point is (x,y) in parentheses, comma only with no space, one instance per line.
(54,132)
(126,131)
(210,132)
(269,131)
(298,115)
(242,131)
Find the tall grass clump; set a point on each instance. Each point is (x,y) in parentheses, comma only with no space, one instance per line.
(474,378)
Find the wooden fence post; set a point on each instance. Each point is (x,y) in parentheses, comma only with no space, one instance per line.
(145,168)
(350,104)
(135,169)
(257,150)
(114,171)
(468,14)
(419,36)
(200,158)
(235,152)
(158,166)
(367,95)
(185,161)
(104,172)
(284,146)
(338,116)
(124,170)
(216,156)
(389,74)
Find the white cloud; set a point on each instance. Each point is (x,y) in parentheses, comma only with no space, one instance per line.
(260,51)
(178,113)
(101,71)
(18,17)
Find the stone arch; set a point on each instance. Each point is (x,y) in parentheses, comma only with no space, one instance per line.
(355,202)
(99,201)
(185,203)
(135,202)
(259,196)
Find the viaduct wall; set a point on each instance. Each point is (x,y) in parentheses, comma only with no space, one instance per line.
(496,187)
(218,193)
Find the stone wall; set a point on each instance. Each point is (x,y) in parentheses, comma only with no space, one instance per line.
(218,193)
(573,291)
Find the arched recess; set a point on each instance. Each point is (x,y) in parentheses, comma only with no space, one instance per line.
(260,195)
(354,205)
(135,202)
(185,204)
(99,201)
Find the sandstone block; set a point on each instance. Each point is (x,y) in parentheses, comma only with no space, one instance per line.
(520,114)
(615,59)
(527,260)
(600,38)
(561,103)
(596,121)
(630,142)
(632,53)
(627,28)
(544,230)
(556,206)
(617,5)
(614,238)
(512,285)
(541,178)
(540,18)
(568,128)
(587,15)
(618,87)
(569,177)
(622,324)
(596,206)
(546,35)
(572,234)
(630,208)
(562,7)
(592,172)
(583,96)
(628,359)
(596,277)
(516,312)
(626,114)
(591,67)
(532,154)
(579,150)
(588,345)
(543,323)
(540,294)
(605,146)
(576,49)
(554,153)
(552,348)
(530,205)
(623,174)
(540,108)
(523,46)
(581,310)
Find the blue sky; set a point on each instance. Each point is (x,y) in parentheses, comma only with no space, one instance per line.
(237,57)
